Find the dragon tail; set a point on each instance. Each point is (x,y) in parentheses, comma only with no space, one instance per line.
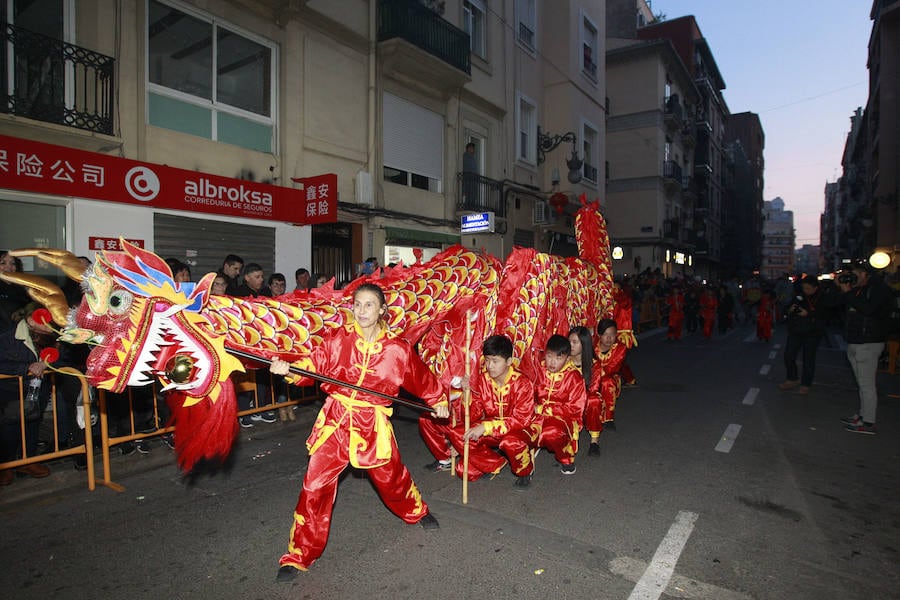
(205,430)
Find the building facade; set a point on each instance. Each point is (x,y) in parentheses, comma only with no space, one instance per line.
(778,240)
(256,99)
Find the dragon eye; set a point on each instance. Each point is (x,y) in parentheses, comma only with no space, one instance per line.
(120,301)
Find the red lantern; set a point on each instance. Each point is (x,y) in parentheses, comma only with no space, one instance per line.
(559,201)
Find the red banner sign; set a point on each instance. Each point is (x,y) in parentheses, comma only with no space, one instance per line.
(57,170)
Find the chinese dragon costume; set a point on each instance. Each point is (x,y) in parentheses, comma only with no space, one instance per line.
(146,327)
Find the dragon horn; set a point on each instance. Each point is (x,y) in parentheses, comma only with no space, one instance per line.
(65,260)
(44,292)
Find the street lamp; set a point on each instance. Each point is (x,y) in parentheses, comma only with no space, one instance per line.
(548,142)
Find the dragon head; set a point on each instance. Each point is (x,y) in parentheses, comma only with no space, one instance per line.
(145,326)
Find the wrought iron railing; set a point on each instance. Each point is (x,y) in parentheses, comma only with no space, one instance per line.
(672,170)
(425,29)
(478,193)
(56,82)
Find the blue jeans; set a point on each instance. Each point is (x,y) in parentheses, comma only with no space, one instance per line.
(864,362)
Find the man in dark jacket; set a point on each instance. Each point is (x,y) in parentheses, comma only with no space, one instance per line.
(867,301)
(805,325)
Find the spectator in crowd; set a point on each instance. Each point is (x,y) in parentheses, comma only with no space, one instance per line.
(322,280)
(470,175)
(252,283)
(13,298)
(301,277)
(277,284)
(867,304)
(219,285)
(805,325)
(231,270)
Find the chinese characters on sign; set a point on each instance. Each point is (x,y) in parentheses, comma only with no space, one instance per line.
(57,170)
(320,193)
(110,244)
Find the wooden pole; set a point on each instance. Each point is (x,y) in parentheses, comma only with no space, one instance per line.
(466,399)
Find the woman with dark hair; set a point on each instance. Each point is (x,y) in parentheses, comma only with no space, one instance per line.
(583,357)
(353,427)
(13,298)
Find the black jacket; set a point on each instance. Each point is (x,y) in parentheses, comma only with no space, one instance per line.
(867,310)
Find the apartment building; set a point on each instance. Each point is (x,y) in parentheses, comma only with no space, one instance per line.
(309,134)
(778,240)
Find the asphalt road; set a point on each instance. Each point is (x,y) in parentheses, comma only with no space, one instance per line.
(796,507)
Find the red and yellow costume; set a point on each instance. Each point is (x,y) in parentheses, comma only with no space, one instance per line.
(675,300)
(507,413)
(354,428)
(440,434)
(561,398)
(708,306)
(605,387)
(765,317)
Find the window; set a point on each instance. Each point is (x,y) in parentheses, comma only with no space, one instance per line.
(526,17)
(526,127)
(589,45)
(413,144)
(474,25)
(208,79)
(590,147)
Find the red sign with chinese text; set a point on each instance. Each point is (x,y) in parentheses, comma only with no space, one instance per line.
(111,244)
(49,169)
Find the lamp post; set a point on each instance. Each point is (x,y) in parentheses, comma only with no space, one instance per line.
(548,142)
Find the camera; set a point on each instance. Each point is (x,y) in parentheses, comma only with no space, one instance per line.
(849,278)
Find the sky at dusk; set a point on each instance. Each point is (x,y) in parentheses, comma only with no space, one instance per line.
(802,69)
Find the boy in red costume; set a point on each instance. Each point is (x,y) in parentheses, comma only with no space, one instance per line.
(353,427)
(561,397)
(675,300)
(502,412)
(708,306)
(601,407)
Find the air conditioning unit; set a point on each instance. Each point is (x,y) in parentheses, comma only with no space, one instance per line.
(541,213)
(365,190)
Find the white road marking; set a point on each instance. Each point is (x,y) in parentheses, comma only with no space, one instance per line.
(764,370)
(776,346)
(727,441)
(679,586)
(773,354)
(653,582)
(750,338)
(750,396)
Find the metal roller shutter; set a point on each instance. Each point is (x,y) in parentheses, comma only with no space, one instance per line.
(203,244)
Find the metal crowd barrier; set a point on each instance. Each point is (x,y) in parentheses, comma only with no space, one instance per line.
(245,382)
(57,451)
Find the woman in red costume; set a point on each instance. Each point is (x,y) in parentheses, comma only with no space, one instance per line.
(675,300)
(353,427)
(708,306)
(765,317)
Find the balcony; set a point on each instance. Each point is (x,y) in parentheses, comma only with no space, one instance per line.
(476,193)
(56,82)
(673,113)
(416,42)
(672,175)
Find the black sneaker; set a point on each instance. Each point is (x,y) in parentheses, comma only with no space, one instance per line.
(863,427)
(852,420)
(594,449)
(80,461)
(245,421)
(611,425)
(169,440)
(522,482)
(567,469)
(142,446)
(286,573)
(264,417)
(438,466)
(428,522)
(126,448)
